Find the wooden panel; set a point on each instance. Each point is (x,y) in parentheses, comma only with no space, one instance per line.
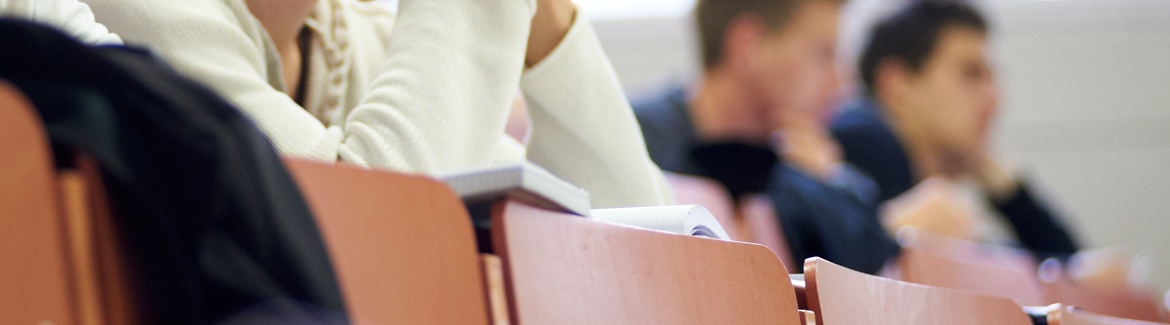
(840,296)
(35,284)
(403,246)
(807,317)
(82,253)
(1113,303)
(711,195)
(116,271)
(1069,315)
(951,263)
(564,269)
(497,290)
(754,220)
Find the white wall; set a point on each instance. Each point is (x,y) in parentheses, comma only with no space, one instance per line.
(1086,102)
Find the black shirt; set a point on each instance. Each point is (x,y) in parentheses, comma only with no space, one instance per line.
(870,144)
(830,221)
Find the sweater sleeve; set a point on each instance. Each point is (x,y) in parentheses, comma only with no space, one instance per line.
(583,129)
(1037,228)
(70,16)
(439,102)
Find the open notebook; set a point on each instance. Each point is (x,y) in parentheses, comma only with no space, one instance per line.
(691,220)
(523,181)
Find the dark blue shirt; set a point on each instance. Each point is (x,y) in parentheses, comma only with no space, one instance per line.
(870,144)
(830,221)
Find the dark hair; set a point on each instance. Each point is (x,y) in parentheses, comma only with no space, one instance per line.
(713,17)
(912,35)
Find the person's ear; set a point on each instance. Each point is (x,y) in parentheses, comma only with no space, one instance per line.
(892,79)
(741,42)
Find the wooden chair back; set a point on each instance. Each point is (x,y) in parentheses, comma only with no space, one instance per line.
(842,296)
(1069,315)
(403,246)
(1121,303)
(752,220)
(709,194)
(564,269)
(65,261)
(933,260)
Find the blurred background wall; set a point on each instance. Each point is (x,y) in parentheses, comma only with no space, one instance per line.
(1086,107)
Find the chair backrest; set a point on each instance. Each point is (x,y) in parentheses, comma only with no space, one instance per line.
(66,261)
(1121,303)
(564,269)
(403,246)
(842,296)
(957,264)
(35,282)
(709,194)
(1069,315)
(754,221)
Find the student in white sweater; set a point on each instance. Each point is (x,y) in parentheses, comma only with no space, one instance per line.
(69,16)
(329,80)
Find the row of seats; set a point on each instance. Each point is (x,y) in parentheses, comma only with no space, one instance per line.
(404,250)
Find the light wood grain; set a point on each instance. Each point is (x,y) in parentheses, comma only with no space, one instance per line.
(402,246)
(840,296)
(565,269)
(952,263)
(1069,315)
(35,283)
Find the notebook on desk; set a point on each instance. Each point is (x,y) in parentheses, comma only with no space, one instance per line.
(690,220)
(522,181)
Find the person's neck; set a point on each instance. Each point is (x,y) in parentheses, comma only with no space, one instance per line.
(723,110)
(925,160)
(284,20)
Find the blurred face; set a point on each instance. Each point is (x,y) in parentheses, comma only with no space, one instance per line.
(794,71)
(952,100)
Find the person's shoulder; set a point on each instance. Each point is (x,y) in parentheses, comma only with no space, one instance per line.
(857,115)
(661,106)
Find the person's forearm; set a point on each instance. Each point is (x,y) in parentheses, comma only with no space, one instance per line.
(583,129)
(442,99)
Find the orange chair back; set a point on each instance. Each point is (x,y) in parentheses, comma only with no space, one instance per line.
(564,269)
(403,246)
(842,296)
(65,261)
(952,263)
(1069,315)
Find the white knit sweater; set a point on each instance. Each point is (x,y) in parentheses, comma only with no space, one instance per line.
(69,16)
(432,96)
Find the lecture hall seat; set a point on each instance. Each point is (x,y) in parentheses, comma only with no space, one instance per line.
(64,261)
(1123,303)
(840,296)
(402,246)
(565,269)
(753,221)
(938,261)
(1069,315)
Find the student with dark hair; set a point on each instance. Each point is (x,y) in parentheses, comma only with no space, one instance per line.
(929,101)
(768,66)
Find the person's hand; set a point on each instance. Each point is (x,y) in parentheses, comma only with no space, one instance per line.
(995,176)
(932,205)
(807,144)
(549,26)
(1108,269)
